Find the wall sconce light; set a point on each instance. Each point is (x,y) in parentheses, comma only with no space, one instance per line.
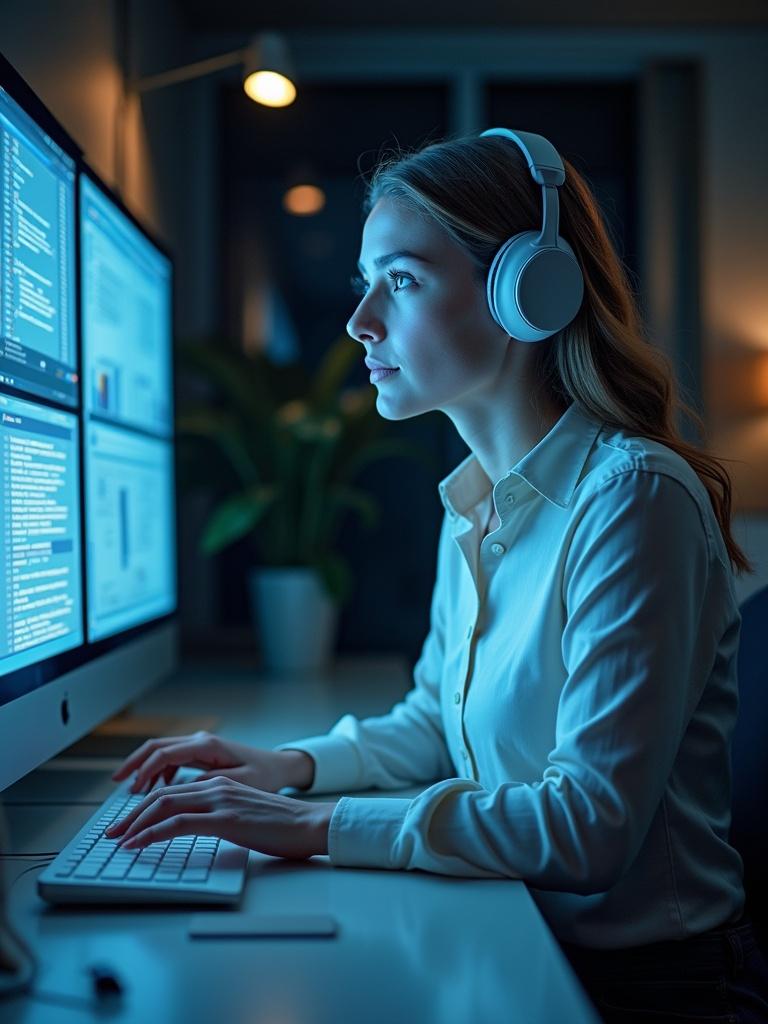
(268,74)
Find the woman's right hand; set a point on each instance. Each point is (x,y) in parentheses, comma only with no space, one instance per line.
(269,770)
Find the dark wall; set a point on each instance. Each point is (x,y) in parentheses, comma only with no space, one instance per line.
(340,131)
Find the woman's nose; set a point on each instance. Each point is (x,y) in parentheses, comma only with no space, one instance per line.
(362,330)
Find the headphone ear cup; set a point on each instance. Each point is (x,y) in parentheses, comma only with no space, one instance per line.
(534,292)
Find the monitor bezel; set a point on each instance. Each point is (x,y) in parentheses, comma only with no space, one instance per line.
(31,104)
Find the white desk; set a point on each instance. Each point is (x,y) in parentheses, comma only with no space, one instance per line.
(412,946)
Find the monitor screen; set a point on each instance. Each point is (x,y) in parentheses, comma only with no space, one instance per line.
(38,351)
(126,308)
(130,528)
(128,408)
(40,582)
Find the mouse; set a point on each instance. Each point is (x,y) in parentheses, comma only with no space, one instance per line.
(105,982)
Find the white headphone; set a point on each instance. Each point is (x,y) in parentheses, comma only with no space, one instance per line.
(535,285)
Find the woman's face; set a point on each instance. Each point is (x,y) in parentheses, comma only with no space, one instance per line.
(428,317)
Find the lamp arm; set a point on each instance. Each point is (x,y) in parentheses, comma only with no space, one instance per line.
(183,74)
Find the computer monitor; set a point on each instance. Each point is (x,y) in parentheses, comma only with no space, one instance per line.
(128,456)
(87,512)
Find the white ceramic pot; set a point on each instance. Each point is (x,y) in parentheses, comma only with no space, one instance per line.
(294,618)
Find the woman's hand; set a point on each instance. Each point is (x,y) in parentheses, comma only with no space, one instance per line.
(266,822)
(268,770)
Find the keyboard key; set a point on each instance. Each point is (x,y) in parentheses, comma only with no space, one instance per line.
(194,875)
(87,870)
(200,862)
(115,871)
(166,874)
(122,861)
(141,872)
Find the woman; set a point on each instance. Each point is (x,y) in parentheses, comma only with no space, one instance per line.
(576,693)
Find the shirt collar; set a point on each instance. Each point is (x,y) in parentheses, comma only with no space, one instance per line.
(552,467)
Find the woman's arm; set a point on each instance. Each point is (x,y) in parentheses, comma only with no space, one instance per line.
(645,613)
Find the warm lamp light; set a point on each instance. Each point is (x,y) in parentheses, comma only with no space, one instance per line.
(304,200)
(268,76)
(270,88)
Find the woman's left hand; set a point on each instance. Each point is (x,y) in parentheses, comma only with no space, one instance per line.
(266,822)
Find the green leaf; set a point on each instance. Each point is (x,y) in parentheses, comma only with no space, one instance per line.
(342,496)
(223,431)
(242,381)
(236,517)
(386,448)
(337,362)
(336,575)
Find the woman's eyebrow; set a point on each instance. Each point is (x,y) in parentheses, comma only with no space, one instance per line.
(382,261)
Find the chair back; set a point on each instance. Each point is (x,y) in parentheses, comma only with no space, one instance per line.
(749,755)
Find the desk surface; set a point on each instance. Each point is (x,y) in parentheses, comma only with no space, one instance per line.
(412,946)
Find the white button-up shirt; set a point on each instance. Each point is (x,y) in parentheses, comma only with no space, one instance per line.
(575,697)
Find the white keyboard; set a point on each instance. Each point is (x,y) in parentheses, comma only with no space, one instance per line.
(188,869)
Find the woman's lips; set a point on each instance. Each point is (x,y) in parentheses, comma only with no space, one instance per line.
(380,373)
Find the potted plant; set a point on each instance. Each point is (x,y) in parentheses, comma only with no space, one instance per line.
(282,448)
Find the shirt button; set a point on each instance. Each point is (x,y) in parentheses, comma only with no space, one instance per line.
(457,698)
(464,754)
(510,499)
(497,549)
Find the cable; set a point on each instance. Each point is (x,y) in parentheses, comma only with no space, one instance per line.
(18,964)
(29,856)
(15,856)
(18,969)
(52,803)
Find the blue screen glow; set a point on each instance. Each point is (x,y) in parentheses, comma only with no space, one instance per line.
(40,584)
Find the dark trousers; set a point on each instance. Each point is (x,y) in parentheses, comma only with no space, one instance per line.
(718,977)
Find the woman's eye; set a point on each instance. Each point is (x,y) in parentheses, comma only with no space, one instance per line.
(395,274)
(360,286)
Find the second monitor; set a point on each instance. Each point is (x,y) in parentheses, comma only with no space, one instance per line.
(128,418)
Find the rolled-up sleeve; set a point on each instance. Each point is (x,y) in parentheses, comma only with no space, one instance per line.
(637,646)
(404,746)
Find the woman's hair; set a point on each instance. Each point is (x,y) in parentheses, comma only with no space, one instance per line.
(481,192)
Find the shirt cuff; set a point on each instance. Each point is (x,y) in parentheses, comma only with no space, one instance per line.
(337,764)
(363,831)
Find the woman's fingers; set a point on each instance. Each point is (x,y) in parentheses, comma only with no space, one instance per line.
(188,824)
(142,752)
(167,806)
(121,827)
(167,757)
(236,774)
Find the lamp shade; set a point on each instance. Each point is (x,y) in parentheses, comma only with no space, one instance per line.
(268,74)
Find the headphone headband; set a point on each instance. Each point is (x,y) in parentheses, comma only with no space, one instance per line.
(544,161)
